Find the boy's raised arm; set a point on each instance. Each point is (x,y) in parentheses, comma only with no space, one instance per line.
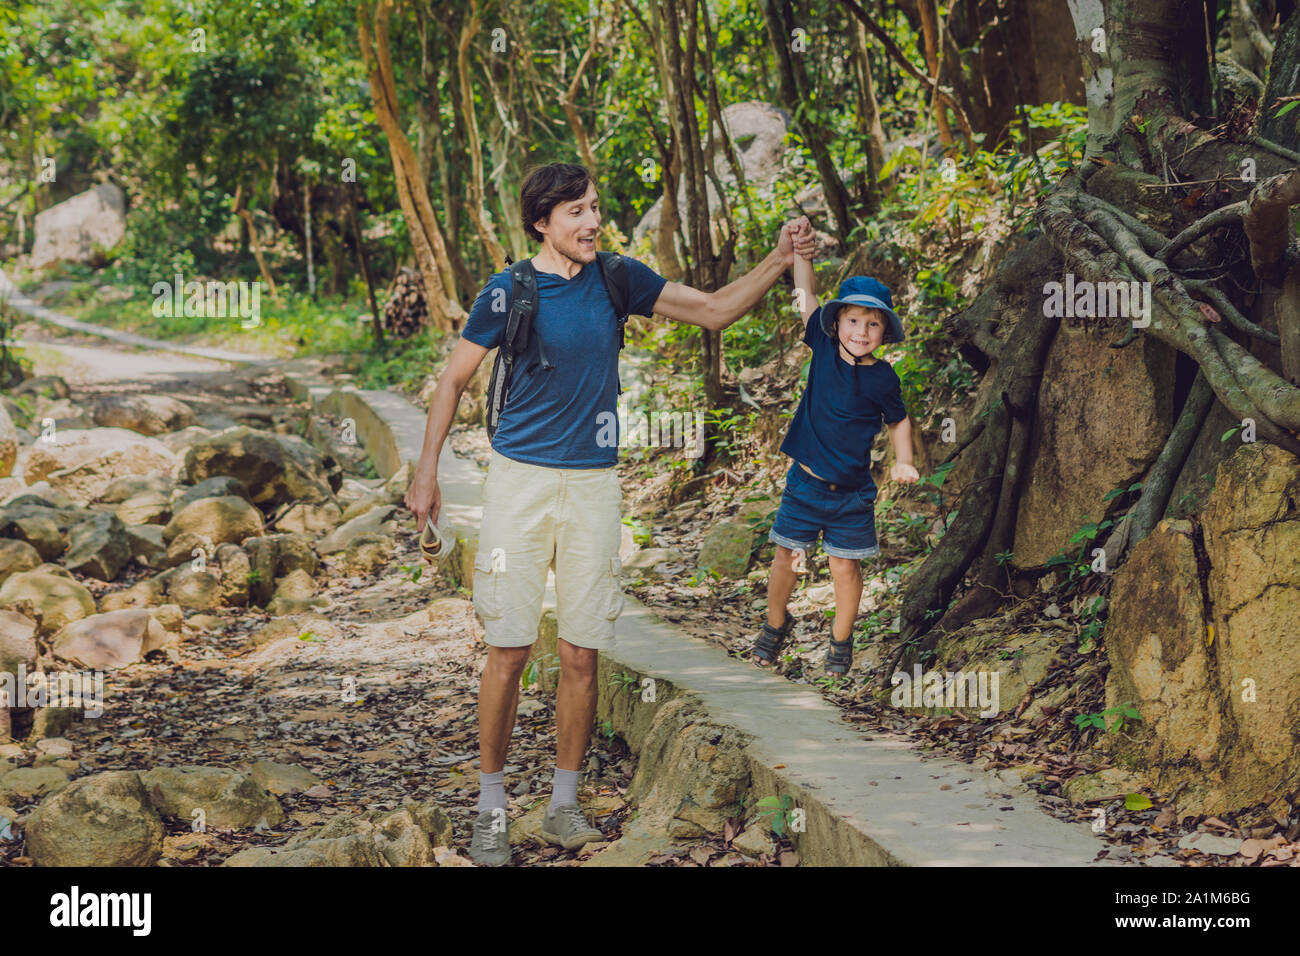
(805,280)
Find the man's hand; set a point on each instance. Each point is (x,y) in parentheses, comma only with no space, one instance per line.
(796,239)
(424,498)
(904,474)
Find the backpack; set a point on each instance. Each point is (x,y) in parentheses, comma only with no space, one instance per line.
(519,324)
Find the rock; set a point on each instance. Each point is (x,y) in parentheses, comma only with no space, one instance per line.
(150,507)
(367,553)
(101,820)
(178,442)
(1111,782)
(145,543)
(205,622)
(130,486)
(116,638)
(192,589)
(56,601)
(17,642)
(146,414)
(227,798)
(16,556)
(756,839)
(1082,450)
(312,519)
(27,783)
(228,518)
(147,592)
(1210,843)
(44,386)
(281,778)
(235,569)
(727,548)
(98,548)
(651,562)
(52,722)
(40,533)
(1217,686)
(82,463)
(64,414)
(295,593)
(80,229)
(186,547)
(273,556)
(293,627)
(276,468)
(1020,659)
(9,444)
(218,486)
(373,521)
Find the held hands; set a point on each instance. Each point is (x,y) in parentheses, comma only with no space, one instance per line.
(797,240)
(904,474)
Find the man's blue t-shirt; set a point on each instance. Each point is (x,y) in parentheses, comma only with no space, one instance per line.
(551,417)
(840,411)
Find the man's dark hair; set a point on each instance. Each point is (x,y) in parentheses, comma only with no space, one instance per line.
(545,187)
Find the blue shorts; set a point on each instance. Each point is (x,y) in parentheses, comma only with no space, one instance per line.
(809,507)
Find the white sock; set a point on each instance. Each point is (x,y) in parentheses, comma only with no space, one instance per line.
(564,787)
(492,791)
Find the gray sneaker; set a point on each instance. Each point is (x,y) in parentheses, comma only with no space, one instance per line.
(567,825)
(490,844)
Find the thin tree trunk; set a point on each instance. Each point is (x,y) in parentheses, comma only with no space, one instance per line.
(486,232)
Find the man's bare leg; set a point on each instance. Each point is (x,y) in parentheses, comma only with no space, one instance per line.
(575,704)
(498,704)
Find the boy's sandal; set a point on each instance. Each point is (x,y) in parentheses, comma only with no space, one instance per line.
(839,656)
(770,639)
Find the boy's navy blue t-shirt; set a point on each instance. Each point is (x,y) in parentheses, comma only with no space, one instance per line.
(552,418)
(840,411)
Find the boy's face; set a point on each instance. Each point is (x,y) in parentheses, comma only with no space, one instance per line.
(572,226)
(861,330)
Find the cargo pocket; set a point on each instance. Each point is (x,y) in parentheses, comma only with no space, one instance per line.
(489,588)
(613,589)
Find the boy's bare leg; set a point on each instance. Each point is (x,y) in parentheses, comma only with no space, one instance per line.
(847,575)
(780,585)
(575,704)
(498,704)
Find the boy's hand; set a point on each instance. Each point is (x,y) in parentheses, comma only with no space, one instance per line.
(796,239)
(904,474)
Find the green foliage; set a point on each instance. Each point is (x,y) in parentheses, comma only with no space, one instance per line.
(779,810)
(1112,719)
(548,664)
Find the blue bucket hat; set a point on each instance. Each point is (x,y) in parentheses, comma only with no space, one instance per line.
(869,293)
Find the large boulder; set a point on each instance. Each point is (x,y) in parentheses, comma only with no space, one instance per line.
(149,507)
(80,229)
(402,837)
(131,486)
(276,468)
(54,600)
(1082,448)
(101,820)
(727,548)
(1216,682)
(227,798)
(17,642)
(117,638)
(146,414)
(218,520)
(15,557)
(83,463)
(98,547)
(38,532)
(272,557)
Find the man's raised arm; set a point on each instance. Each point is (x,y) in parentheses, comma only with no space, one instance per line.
(717,310)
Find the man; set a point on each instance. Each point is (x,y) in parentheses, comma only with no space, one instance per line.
(551,497)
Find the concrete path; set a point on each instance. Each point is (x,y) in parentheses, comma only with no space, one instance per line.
(873,799)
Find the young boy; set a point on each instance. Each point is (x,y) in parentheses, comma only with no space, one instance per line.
(829,490)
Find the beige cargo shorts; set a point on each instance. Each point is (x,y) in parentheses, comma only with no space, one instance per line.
(537,519)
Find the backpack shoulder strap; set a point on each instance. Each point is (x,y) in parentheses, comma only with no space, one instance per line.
(523,306)
(614,271)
